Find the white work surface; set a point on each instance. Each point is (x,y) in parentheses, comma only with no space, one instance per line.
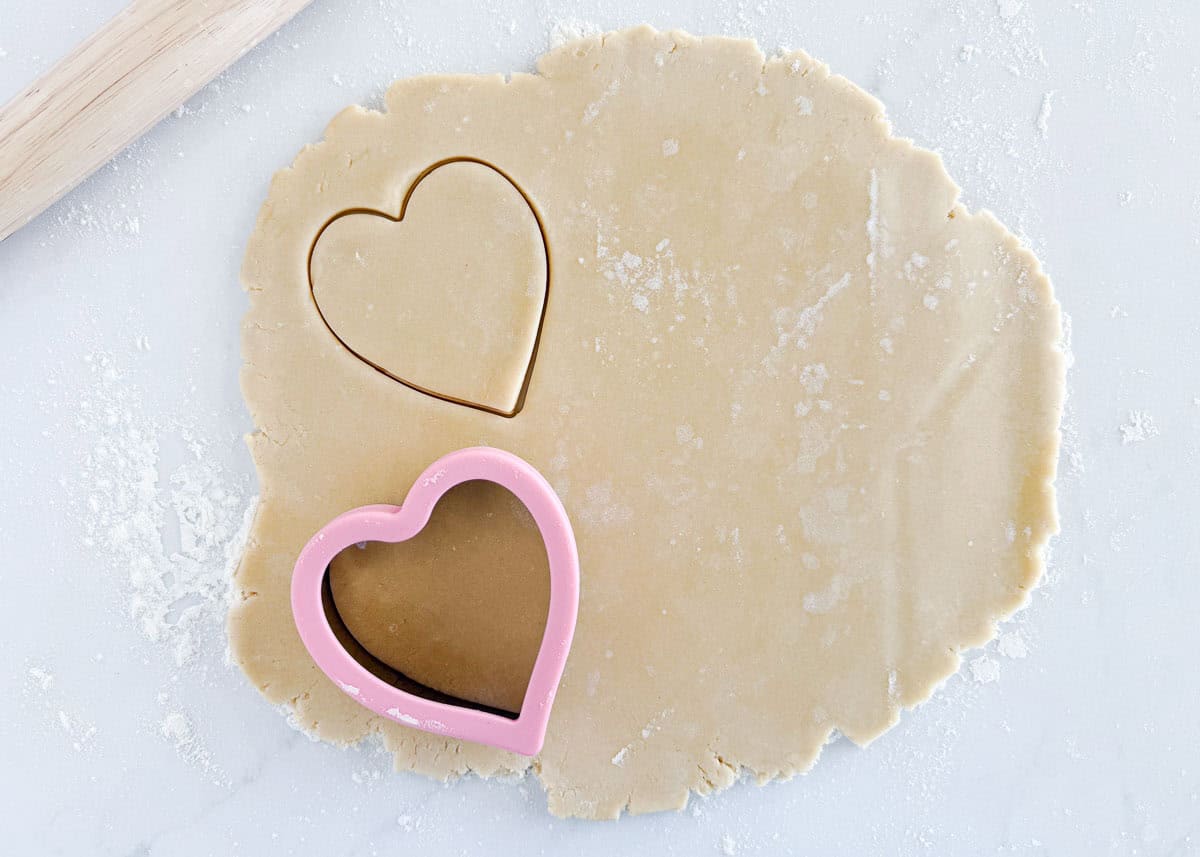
(124,479)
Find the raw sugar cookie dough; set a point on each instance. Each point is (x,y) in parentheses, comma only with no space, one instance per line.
(801,406)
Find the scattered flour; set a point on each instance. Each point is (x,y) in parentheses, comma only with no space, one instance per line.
(177,728)
(1043,117)
(175,534)
(166,521)
(827,599)
(646,278)
(813,378)
(1012,645)
(985,669)
(1139,428)
(78,731)
(794,326)
(40,691)
(875,236)
(655,724)
(41,678)
(592,111)
(1008,9)
(603,506)
(569,30)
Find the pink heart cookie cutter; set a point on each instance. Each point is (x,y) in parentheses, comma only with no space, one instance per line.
(526,732)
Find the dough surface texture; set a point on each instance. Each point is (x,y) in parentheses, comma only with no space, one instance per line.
(801,406)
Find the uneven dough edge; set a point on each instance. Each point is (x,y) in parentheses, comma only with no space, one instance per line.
(262,656)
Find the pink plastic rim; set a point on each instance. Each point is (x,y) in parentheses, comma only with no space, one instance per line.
(385,523)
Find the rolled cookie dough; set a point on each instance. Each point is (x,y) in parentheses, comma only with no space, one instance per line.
(446,303)
(801,406)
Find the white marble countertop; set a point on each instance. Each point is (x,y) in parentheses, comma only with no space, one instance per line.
(123,731)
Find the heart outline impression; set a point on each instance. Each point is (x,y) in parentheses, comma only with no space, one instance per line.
(399,218)
(387,523)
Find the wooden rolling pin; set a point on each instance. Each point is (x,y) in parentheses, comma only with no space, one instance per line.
(114,87)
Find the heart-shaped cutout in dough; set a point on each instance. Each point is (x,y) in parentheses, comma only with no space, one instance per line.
(459,609)
(523,733)
(448,296)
